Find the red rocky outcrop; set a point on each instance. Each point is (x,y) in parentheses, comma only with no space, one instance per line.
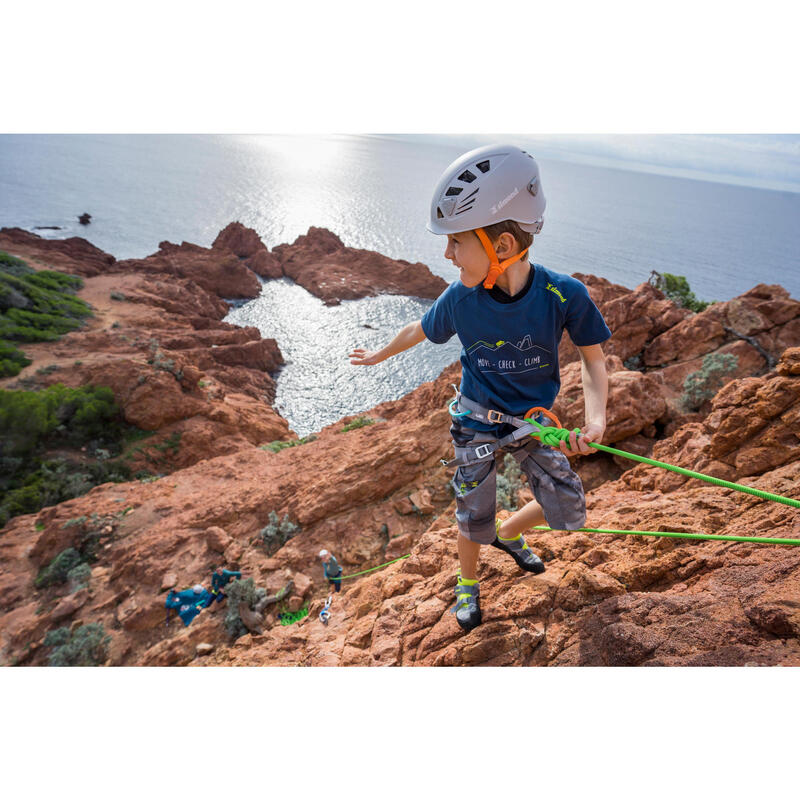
(321,263)
(74,255)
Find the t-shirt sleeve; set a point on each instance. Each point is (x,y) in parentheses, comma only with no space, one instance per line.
(437,323)
(584,322)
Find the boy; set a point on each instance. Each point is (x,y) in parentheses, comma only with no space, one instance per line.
(331,569)
(509,316)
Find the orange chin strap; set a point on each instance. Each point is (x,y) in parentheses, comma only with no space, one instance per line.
(497,267)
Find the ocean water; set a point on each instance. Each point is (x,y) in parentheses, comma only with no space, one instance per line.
(374,193)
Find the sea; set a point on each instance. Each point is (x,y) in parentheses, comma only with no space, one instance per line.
(373,191)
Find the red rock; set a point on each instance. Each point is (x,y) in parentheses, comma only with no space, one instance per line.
(217,271)
(169,581)
(422,501)
(321,263)
(141,613)
(404,506)
(217,539)
(74,255)
(790,362)
(68,605)
(242,241)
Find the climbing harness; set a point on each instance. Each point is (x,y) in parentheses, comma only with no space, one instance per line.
(325,614)
(528,425)
(474,453)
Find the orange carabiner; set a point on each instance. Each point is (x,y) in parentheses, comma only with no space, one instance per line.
(553,418)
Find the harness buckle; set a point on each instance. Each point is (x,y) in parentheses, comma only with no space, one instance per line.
(494,416)
(483,451)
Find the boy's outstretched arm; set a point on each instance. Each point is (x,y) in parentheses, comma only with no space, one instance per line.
(595,392)
(410,335)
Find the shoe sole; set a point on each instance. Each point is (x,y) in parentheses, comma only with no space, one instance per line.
(536,569)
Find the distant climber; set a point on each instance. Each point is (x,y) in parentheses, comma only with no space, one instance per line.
(219,580)
(331,569)
(189,602)
(85,218)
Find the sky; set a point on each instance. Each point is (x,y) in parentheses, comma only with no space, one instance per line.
(766,161)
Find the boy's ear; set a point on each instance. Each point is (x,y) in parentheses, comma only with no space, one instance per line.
(506,245)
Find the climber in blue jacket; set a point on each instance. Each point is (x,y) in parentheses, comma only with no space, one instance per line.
(219,580)
(189,602)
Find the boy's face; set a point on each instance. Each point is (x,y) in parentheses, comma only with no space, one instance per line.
(466,252)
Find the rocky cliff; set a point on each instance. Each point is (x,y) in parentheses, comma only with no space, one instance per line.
(378,491)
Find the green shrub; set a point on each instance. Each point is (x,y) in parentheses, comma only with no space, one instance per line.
(13,265)
(11,360)
(28,417)
(677,289)
(277,446)
(87,646)
(358,422)
(58,569)
(79,576)
(509,482)
(277,533)
(702,385)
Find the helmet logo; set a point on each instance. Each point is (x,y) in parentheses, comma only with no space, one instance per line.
(505,201)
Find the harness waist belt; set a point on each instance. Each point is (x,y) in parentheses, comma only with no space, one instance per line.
(475,453)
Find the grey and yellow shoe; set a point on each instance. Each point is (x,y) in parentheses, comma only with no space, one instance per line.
(518,549)
(467,608)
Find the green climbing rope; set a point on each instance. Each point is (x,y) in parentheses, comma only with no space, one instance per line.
(680,535)
(553,436)
(372,569)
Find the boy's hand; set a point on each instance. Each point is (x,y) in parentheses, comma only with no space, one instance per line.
(364,357)
(579,443)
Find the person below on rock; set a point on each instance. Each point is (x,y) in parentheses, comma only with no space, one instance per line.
(331,569)
(509,315)
(189,602)
(219,580)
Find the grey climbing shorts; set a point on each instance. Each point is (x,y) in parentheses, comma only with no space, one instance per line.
(557,489)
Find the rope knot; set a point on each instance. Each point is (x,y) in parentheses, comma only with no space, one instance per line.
(550,435)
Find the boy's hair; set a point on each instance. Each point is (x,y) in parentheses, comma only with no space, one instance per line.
(523,238)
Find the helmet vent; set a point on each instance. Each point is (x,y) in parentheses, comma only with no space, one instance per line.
(483,166)
(453,191)
(466,176)
(439,214)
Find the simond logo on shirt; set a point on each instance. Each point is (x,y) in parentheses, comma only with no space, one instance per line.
(555,291)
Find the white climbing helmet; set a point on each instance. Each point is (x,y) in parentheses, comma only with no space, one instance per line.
(198,588)
(488,185)
(323,553)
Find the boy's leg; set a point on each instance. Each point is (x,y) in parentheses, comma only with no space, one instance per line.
(468,552)
(475,491)
(522,520)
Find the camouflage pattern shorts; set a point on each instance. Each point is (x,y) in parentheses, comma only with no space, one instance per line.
(557,489)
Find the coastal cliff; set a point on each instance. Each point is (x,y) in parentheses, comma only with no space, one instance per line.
(378,490)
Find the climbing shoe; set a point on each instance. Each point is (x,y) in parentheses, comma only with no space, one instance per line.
(518,550)
(467,608)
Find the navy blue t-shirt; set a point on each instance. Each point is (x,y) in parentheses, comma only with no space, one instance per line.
(509,360)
